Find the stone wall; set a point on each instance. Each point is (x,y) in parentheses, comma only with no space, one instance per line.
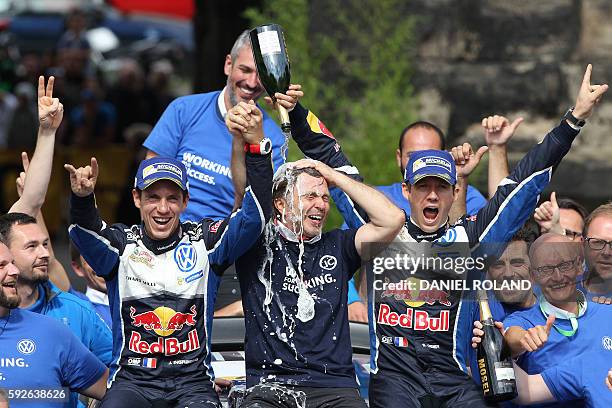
(518,57)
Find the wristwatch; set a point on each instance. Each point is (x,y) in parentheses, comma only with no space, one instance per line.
(263,147)
(569,116)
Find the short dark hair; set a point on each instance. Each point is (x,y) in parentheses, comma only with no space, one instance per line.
(75,255)
(8,220)
(279,189)
(569,204)
(604,210)
(529,232)
(424,125)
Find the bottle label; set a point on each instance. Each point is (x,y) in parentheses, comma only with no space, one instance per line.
(503,372)
(269,42)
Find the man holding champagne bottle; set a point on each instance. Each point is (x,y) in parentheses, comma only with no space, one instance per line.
(192,130)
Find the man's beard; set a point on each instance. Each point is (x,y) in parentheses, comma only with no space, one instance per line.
(35,277)
(10,302)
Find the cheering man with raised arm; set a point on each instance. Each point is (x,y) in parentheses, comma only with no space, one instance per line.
(162,276)
(424,359)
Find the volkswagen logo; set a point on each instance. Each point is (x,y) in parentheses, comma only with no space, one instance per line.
(328,262)
(606,342)
(26,346)
(185,257)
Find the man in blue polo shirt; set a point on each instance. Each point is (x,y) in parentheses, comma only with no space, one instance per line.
(564,324)
(28,244)
(40,355)
(584,380)
(192,129)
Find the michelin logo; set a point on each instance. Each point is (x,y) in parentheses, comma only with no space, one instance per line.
(431,161)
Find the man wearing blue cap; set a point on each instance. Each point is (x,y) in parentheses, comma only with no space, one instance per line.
(162,276)
(423,358)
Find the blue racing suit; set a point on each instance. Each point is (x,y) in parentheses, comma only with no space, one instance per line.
(162,292)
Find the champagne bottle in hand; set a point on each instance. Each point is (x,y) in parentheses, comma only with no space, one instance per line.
(494,359)
(270,54)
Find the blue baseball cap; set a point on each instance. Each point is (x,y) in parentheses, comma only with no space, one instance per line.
(435,163)
(161,168)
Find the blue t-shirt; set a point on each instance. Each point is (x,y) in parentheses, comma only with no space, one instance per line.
(474,202)
(558,348)
(583,377)
(192,130)
(79,316)
(102,309)
(40,353)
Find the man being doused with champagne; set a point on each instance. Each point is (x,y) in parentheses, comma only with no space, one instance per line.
(294,284)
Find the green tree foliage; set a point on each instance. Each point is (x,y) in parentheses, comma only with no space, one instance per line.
(355,67)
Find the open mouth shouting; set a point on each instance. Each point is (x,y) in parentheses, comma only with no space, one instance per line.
(430,214)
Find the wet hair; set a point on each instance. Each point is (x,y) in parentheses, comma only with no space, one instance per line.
(604,210)
(242,40)
(569,204)
(423,125)
(279,189)
(8,220)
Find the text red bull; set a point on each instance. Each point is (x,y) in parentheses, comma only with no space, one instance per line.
(168,346)
(414,319)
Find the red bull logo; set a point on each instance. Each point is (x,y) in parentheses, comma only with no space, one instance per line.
(411,292)
(168,346)
(414,319)
(163,320)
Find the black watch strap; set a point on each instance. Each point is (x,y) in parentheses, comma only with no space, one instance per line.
(569,116)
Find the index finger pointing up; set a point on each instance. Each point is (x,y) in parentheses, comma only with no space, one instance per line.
(586,80)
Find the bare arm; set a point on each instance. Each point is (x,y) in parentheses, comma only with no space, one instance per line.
(57,273)
(150,154)
(50,113)
(98,389)
(531,388)
(498,130)
(459,207)
(466,161)
(386,220)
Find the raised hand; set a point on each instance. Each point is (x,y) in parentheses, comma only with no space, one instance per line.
(50,110)
(465,158)
(535,337)
(498,129)
(245,120)
(547,215)
(588,95)
(288,100)
(20,181)
(83,180)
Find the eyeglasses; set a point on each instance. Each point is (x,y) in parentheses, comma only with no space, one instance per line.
(548,270)
(597,244)
(573,235)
